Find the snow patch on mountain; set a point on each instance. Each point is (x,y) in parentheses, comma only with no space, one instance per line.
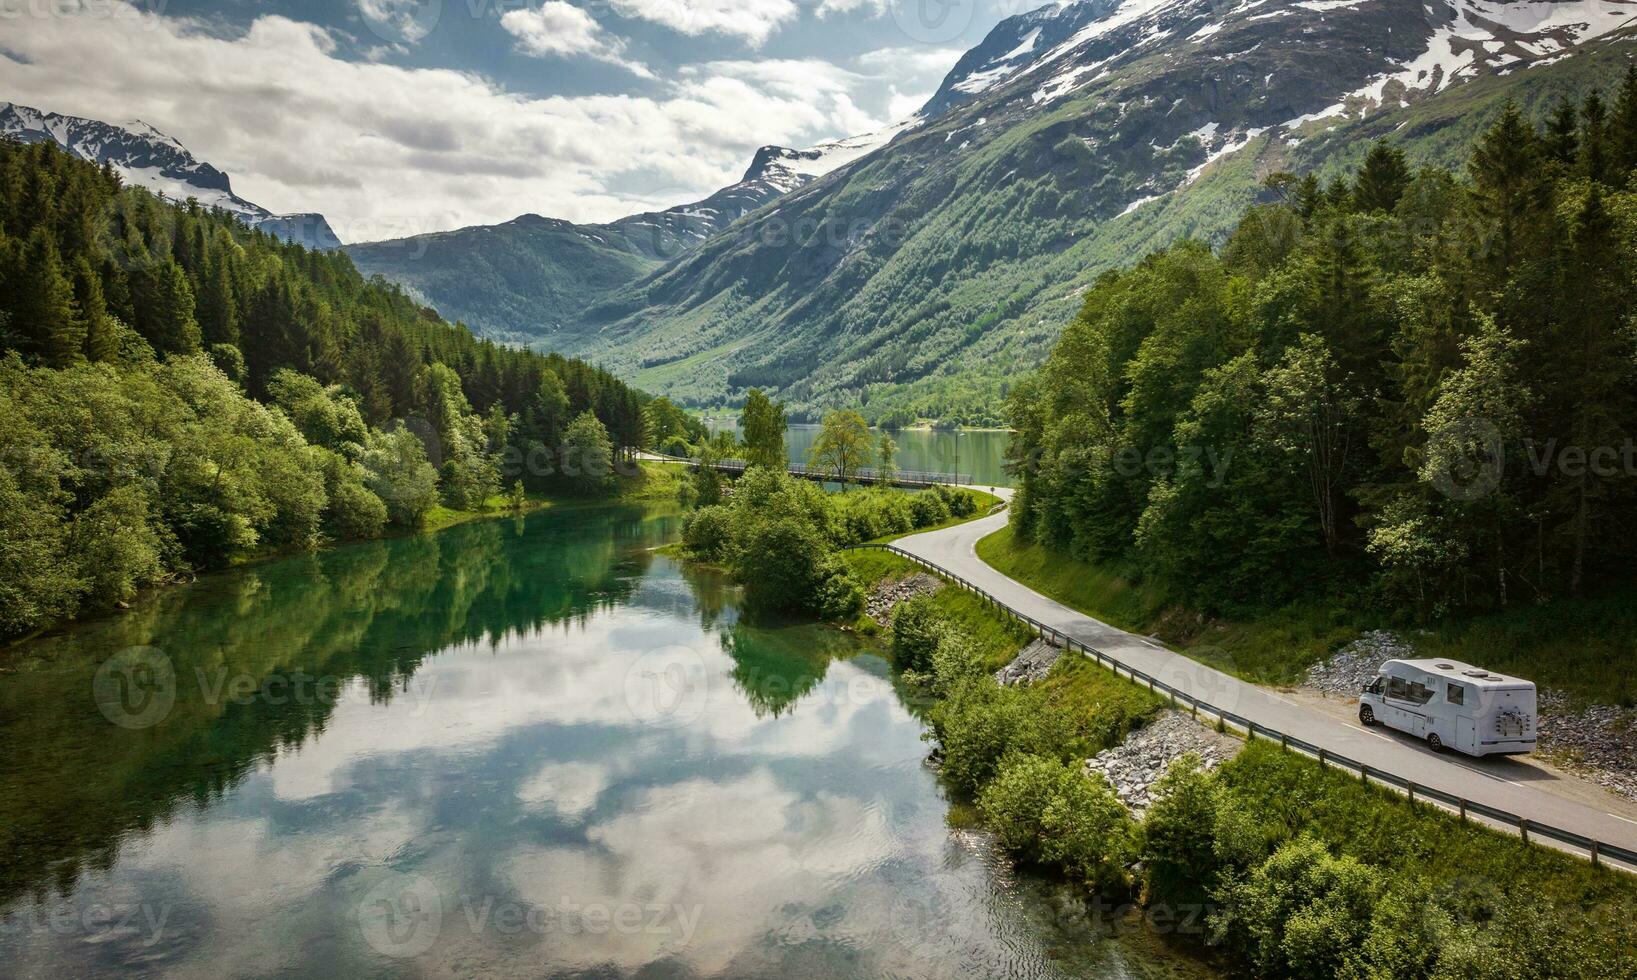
(148,158)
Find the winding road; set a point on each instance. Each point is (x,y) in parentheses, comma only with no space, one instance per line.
(1515,784)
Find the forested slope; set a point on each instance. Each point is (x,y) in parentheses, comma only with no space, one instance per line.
(179,392)
(1416,386)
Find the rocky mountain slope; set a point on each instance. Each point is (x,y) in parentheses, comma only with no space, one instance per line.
(534,276)
(148,158)
(922,277)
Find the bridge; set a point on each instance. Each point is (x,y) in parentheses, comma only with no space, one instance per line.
(908,479)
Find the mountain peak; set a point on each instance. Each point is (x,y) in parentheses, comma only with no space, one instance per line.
(146,157)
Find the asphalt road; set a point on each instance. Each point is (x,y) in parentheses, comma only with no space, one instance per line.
(1498,781)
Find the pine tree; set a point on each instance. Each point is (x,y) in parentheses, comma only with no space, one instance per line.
(43,313)
(1562,140)
(165,310)
(1508,189)
(218,314)
(1383,178)
(1595,158)
(1594,360)
(101,343)
(1623,126)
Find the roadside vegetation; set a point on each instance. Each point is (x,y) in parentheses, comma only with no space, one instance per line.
(1397,398)
(780,536)
(1269,866)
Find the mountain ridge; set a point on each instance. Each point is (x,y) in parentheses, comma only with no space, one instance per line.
(943,265)
(146,157)
(535,276)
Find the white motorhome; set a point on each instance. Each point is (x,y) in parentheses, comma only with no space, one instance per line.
(1452,705)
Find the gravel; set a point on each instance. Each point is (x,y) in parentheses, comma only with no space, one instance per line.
(1598,743)
(1133,766)
(888,595)
(1356,664)
(1030,665)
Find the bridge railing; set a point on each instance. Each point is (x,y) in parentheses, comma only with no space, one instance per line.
(868,474)
(1598,851)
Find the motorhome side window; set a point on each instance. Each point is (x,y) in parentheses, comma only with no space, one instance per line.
(1457,694)
(1420,693)
(1397,689)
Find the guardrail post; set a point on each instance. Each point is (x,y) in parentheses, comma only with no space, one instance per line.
(1364,774)
(1523,828)
(1463,809)
(1594,852)
(1284,742)
(1322,761)
(1412,791)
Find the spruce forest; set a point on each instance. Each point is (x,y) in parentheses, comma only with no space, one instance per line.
(179,392)
(1410,387)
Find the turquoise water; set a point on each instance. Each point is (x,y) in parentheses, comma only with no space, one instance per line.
(514,748)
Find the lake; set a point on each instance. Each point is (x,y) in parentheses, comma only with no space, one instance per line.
(524,747)
(978,454)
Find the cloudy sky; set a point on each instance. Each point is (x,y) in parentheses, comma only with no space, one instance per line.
(395,117)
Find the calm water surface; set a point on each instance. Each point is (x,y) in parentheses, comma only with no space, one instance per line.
(980,455)
(515,748)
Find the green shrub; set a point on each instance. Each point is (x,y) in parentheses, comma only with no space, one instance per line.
(928,508)
(707,533)
(916,632)
(1302,913)
(980,721)
(117,547)
(955,661)
(1051,812)
(839,596)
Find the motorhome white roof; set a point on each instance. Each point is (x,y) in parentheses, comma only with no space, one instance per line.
(1466,673)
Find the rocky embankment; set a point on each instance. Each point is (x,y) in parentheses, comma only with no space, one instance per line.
(1597,742)
(887,595)
(1133,766)
(1034,663)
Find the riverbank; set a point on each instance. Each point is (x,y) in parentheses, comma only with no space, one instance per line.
(652,482)
(1273,865)
(1585,648)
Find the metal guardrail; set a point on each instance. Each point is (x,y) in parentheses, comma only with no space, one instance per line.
(868,474)
(1598,851)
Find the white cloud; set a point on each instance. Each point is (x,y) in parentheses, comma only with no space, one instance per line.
(562,29)
(915,72)
(752,20)
(831,8)
(386,151)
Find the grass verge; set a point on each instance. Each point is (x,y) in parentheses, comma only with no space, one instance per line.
(1585,647)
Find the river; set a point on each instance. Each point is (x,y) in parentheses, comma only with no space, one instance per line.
(525,747)
(979,454)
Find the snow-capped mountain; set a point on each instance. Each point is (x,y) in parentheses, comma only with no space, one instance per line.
(1383,53)
(773,162)
(1073,139)
(146,157)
